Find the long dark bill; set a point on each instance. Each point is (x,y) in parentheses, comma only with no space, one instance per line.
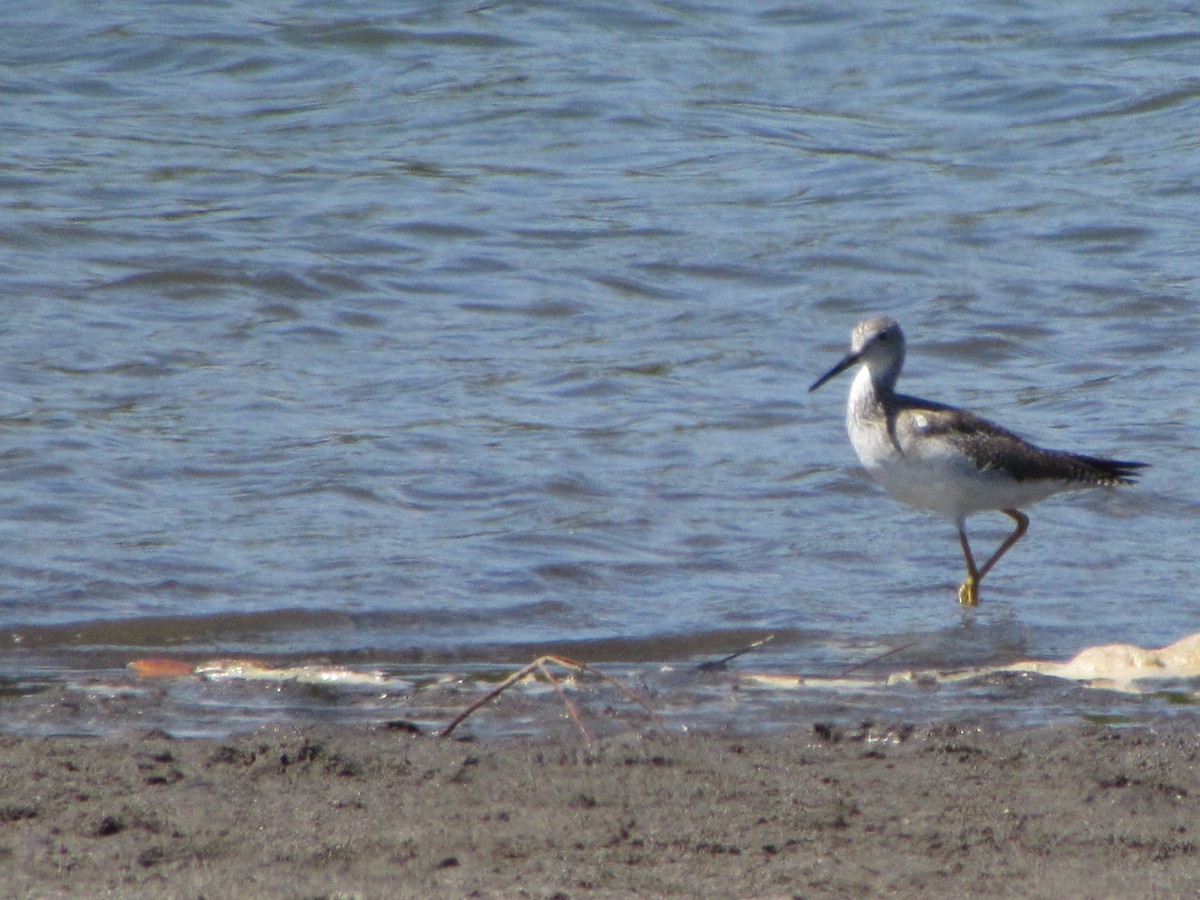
(851,359)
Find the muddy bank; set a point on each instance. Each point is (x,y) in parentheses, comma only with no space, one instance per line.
(942,810)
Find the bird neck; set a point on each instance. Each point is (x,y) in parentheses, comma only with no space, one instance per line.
(868,394)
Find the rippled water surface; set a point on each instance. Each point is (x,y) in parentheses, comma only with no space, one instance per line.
(450,333)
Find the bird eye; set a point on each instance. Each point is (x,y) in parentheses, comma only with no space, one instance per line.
(883,336)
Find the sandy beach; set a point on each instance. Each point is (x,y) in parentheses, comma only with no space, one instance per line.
(946,810)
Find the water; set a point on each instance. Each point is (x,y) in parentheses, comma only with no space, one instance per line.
(446,334)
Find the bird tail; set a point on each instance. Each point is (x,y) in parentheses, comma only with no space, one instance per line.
(1113,471)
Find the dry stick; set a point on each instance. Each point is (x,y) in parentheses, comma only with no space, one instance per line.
(539,664)
(562,695)
(875,659)
(720,663)
(629,694)
(494,692)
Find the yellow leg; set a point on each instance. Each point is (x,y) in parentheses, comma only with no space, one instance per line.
(968,591)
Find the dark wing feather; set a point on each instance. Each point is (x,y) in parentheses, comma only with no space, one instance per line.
(992,447)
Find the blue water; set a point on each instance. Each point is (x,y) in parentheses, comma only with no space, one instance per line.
(399,333)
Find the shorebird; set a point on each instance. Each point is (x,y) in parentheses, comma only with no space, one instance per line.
(953,462)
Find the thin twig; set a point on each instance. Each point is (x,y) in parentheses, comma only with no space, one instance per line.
(539,665)
(629,694)
(875,659)
(562,695)
(715,664)
(494,692)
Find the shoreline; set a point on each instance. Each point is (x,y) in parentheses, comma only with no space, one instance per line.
(943,809)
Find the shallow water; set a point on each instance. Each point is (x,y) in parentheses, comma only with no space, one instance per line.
(457,334)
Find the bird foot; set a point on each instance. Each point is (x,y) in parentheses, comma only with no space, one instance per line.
(968,592)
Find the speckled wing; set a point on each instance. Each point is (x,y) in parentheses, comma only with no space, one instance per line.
(993,448)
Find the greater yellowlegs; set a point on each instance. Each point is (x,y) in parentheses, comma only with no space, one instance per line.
(948,460)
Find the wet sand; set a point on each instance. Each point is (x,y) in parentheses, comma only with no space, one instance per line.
(949,810)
